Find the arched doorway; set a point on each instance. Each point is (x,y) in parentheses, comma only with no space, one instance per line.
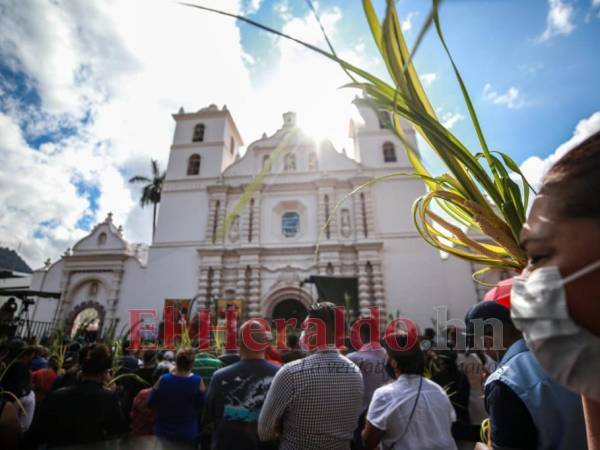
(86,320)
(290,308)
(86,324)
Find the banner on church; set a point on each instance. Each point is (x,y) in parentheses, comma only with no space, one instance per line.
(342,291)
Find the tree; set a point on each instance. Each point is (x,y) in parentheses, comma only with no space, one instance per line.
(152,190)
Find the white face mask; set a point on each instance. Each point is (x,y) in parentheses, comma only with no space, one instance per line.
(568,353)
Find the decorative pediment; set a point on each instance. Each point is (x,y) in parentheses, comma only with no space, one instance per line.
(104,238)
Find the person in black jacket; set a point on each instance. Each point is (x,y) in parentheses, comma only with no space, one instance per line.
(85,412)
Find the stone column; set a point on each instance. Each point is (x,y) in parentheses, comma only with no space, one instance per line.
(210,228)
(369,212)
(203,286)
(216,285)
(113,296)
(240,288)
(256,209)
(379,290)
(221,213)
(326,207)
(254,299)
(363,289)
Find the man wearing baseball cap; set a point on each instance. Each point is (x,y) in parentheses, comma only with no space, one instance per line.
(527,410)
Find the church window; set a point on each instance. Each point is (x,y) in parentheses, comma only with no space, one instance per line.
(290,224)
(266,163)
(363,208)
(232,146)
(198,133)
(93,289)
(289,162)
(312,161)
(389,152)
(102,239)
(326,210)
(193,164)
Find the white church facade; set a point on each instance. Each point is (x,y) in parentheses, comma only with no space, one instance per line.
(226,232)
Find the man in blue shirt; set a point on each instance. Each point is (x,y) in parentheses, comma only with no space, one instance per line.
(527,409)
(236,394)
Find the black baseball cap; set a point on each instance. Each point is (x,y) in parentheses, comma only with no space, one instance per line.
(483,311)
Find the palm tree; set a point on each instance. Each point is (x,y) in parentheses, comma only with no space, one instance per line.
(152,190)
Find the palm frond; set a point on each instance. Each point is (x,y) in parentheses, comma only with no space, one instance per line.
(139,179)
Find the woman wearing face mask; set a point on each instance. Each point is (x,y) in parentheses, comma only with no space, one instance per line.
(556,301)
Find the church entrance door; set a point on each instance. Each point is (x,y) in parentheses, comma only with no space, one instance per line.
(290,308)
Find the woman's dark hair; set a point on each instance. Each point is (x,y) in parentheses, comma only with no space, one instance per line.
(184,359)
(410,359)
(575,180)
(95,359)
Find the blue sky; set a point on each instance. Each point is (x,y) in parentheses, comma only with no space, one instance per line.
(87,89)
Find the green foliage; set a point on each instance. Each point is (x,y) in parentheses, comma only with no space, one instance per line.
(152,190)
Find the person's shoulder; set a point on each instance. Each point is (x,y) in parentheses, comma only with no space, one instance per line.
(355,355)
(55,396)
(292,367)
(349,363)
(225,372)
(271,366)
(432,386)
(382,393)
(434,390)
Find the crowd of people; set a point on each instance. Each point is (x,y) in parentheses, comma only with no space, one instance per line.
(526,378)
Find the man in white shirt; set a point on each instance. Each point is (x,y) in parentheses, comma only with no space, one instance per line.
(411,413)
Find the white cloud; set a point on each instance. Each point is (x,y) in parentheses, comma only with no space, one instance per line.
(450,119)
(252,7)
(428,78)
(129,74)
(406,24)
(282,8)
(559,20)
(534,167)
(511,98)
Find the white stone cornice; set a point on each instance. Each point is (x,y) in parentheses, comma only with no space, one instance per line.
(198,145)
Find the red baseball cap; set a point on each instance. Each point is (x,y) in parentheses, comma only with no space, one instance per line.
(501,293)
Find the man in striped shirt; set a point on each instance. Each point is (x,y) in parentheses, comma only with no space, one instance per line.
(314,403)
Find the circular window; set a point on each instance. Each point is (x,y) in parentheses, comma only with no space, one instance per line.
(290,224)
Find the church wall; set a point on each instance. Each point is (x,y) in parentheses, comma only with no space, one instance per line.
(172,272)
(417,279)
(392,203)
(46,281)
(183,216)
